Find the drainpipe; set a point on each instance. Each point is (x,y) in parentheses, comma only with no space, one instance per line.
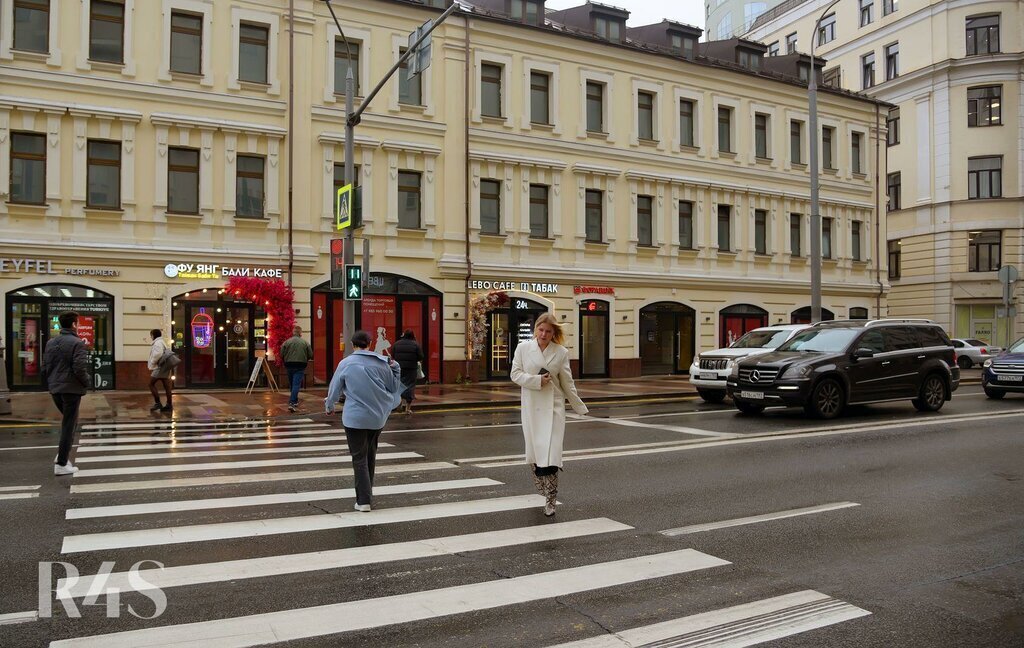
(469,261)
(291,135)
(878,216)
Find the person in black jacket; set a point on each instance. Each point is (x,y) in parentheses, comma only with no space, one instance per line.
(409,355)
(66,372)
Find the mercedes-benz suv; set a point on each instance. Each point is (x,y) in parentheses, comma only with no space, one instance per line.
(834,364)
(1004,373)
(710,369)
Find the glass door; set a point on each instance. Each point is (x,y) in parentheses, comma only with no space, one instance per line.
(499,351)
(25,345)
(201,344)
(593,339)
(685,340)
(237,333)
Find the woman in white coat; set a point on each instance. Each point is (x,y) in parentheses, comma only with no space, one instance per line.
(541,368)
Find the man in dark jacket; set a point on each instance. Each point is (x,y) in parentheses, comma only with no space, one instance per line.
(67,376)
(296,354)
(408,354)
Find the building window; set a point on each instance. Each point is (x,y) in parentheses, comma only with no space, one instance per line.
(682,45)
(867,69)
(343,60)
(827,29)
(410,91)
(826,237)
(855,239)
(895,258)
(827,147)
(645,115)
(608,28)
(855,152)
(985,177)
(725,129)
(760,231)
(796,141)
(595,107)
(253,42)
(186,43)
(106,31)
(831,77)
(686,123)
(538,211)
(751,11)
(892,124)
(725,27)
(182,180)
(984,106)
(773,48)
(594,216)
(749,60)
(984,252)
(791,43)
(645,220)
(490,90)
(761,135)
(249,186)
(892,61)
(893,187)
(867,12)
(983,35)
(685,225)
(725,228)
(103,175)
(889,6)
(32,25)
(28,168)
(490,207)
(795,233)
(409,199)
(527,11)
(540,98)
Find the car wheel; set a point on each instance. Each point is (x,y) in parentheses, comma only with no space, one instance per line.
(751,409)
(964,362)
(827,399)
(994,394)
(711,396)
(933,394)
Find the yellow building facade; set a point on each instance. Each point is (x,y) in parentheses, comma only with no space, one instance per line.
(650,199)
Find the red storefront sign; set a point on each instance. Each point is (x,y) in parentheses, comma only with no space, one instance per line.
(87,330)
(593,290)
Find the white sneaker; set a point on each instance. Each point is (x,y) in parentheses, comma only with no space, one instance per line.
(60,470)
(362,508)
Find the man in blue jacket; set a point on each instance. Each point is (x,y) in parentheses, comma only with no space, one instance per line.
(67,376)
(372,387)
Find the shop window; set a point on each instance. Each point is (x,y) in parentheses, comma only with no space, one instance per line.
(186,43)
(668,333)
(686,225)
(894,187)
(103,175)
(594,210)
(539,227)
(490,90)
(253,44)
(28,168)
(725,228)
(795,233)
(410,91)
(982,35)
(409,199)
(106,31)
(645,221)
(686,122)
(540,98)
(895,249)
(595,107)
(346,58)
(182,180)
(760,231)
(985,177)
(490,207)
(984,252)
(645,115)
(32,25)
(594,338)
(984,106)
(249,182)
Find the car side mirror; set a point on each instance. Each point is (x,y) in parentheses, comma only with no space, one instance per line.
(863,353)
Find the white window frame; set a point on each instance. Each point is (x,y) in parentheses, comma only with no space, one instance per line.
(426,83)
(763,109)
(39,117)
(598,179)
(554,105)
(273,24)
(733,104)
(823,123)
(641,186)
(7,52)
(332,94)
(503,61)
(864,161)
(697,98)
(83,62)
(409,156)
(805,150)
(202,7)
(103,119)
(655,89)
(608,81)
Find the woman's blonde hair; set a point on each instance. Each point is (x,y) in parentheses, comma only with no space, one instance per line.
(549,319)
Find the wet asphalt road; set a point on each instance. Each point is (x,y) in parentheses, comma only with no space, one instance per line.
(929,541)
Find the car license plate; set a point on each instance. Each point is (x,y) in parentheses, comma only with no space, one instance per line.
(1003,378)
(709,376)
(752,395)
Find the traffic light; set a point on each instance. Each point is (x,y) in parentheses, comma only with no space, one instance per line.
(337,264)
(353,282)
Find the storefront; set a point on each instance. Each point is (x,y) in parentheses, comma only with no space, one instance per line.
(668,333)
(803,315)
(391,304)
(218,338)
(985,322)
(508,328)
(735,321)
(32,320)
(594,337)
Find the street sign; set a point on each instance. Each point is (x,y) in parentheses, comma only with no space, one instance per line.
(419,60)
(353,282)
(1008,274)
(337,264)
(343,207)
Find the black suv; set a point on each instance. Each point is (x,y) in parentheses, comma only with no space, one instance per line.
(835,364)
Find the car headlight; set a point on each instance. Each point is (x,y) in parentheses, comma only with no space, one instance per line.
(797,372)
(734,369)
(988,363)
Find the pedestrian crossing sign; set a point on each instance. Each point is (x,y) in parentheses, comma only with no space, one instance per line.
(343,207)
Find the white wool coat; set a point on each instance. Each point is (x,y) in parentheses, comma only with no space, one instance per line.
(544,407)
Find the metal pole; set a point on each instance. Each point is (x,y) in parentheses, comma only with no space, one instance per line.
(291,138)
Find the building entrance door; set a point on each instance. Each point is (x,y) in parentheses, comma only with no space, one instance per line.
(509,327)
(217,345)
(668,333)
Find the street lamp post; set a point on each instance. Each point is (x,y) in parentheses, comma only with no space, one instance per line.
(812,96)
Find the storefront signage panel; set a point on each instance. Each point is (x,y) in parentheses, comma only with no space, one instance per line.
(45,267)
(522,286)
(593,290)
(217,271)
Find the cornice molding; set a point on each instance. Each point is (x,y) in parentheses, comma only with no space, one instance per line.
(167,119)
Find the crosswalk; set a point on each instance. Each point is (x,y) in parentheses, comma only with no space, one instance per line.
(208,512)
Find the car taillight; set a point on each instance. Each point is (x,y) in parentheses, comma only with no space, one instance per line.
(984,350)
(954,357)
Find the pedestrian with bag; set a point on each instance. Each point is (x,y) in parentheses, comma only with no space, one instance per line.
(372,387)
(409,355)
(296,355)
(162,361)
(541,367)
(66,372)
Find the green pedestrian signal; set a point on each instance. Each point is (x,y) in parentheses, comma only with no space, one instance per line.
(343,207)
(353,282)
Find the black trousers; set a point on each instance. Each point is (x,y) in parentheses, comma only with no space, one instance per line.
(362,444)
(68,405)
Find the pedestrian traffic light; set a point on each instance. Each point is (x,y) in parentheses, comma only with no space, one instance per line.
(353,282)
(337,264)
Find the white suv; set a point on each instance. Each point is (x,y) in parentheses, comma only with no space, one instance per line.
(710,369)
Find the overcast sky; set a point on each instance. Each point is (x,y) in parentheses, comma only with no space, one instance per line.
(645,12)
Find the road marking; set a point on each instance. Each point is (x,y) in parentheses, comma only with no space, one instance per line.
(6,489)
(190,454)
(736,626)
(268,500)
(231,465)
(254,438)
(13,496)
(172,425)
(247,478)
(754,519)
(299,524)
(305,623)
(169,577)
(170,432)
(19,617)
(519,458)
(649,426)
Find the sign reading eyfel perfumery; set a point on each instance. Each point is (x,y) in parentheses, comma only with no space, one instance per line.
(45,267)
(217,271)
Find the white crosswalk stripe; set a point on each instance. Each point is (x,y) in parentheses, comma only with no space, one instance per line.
(189,453)
(229,465)
(170,432)
(204,442)
(133,426)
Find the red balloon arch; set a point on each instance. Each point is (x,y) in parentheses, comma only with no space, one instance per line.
(277,300)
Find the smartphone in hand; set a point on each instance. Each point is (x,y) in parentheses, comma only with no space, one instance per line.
(543,371)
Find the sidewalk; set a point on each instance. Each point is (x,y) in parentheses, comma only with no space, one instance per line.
(193,404)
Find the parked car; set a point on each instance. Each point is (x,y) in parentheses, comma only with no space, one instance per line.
(1004,373)
(972,351)
(834,364)
(711,369)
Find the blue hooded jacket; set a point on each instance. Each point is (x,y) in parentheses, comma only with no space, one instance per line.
(372,388)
